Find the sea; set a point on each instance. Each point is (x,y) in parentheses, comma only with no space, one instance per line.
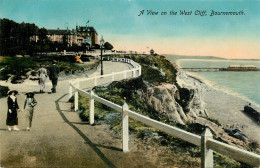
(244,84)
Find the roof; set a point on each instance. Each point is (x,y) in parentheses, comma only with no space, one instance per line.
(59,31)
(86,29)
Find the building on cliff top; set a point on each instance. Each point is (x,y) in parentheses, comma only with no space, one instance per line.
(88,33)
(82,35)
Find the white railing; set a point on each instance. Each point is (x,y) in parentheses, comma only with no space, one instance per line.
(206,141)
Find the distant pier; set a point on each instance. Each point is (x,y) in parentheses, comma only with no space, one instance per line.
(220,69)
(201,69)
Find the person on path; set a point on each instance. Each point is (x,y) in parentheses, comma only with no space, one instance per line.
(12,119)
(29,104)
(42,77)
(54,73)
(78,60)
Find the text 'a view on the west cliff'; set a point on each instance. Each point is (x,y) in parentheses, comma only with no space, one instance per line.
(191,13)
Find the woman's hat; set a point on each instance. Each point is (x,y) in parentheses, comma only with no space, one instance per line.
(11,91)
(29,94)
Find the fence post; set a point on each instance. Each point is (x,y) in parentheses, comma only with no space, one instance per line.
(125,130)
(76,98)
(113,77)
(70,91)
(91,108)
(133,73)
(206,154)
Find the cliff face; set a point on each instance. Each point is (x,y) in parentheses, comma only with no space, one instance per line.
(185,106)
(180,105)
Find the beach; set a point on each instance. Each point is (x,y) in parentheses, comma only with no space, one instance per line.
(222,105)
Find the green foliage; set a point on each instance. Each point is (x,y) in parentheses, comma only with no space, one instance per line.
(254,146)
(84,107)
(152,75)
(3,91)
(18,66)
(100,111)
(34,73)
(129,91)
(15,37)
(155,64)
(42,34)
(67,66)
(108,46)
(221,161)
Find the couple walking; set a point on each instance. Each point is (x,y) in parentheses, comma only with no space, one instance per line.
(54,73)
(13,108)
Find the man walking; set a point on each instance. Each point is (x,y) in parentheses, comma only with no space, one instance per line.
(54,73)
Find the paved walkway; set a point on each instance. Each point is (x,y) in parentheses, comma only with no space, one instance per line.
(58,138)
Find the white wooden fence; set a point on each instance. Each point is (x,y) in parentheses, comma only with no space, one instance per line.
(206,141)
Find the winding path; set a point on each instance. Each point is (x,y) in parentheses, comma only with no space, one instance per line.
(58,138)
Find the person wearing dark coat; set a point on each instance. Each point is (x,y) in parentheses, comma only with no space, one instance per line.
(12,119)
(54,74)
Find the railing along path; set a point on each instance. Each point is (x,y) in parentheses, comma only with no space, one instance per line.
(206,141)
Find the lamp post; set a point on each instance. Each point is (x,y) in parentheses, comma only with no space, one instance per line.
(101,46)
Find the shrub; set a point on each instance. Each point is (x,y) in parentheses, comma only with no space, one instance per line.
(34,73)
(18,66)
(3,91)
(253,146)
(159,61)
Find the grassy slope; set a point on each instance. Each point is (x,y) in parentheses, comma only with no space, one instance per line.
(129,91)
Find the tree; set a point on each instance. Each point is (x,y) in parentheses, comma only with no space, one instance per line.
(15,37)
(46,47)
(42,33)
(108,46)
(65,42)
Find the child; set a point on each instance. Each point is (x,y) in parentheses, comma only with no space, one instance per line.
(29,104)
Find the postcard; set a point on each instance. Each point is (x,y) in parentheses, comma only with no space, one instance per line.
(129,83)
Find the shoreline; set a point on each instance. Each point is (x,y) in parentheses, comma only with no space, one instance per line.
(221,104)
(216,86)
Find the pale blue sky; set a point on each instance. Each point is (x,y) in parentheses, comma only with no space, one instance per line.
(119,23)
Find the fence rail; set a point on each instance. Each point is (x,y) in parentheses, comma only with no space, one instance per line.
(206,141)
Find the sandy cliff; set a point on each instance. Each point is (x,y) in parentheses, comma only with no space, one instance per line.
(198,104)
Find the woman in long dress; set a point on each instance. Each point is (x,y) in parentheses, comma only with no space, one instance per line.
(42,77)
(12,119)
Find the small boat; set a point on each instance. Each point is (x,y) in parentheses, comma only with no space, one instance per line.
(240,68)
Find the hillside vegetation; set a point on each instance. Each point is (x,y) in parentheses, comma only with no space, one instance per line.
(18,69)
(156,70)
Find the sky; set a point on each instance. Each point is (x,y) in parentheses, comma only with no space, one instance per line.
(118,21)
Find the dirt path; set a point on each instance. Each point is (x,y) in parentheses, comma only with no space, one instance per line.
(58,138)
